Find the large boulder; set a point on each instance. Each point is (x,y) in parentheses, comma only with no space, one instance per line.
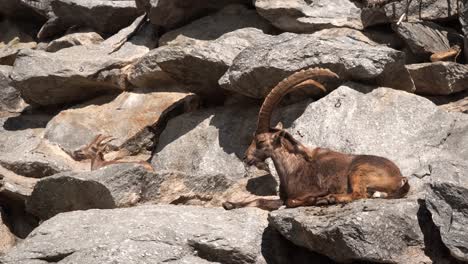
(24,151)
(140,113)
(119,185)
(201,52)
(257,69)
(171,14)
(104,16)
(310,16)
(147,234)
(369,230)
(127,184)
(77,73)
(210,141)
(146,73)
(439,78)
(75,39)
(448,204)
(10,99)
(207,190)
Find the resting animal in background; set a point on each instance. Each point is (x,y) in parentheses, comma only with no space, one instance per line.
(95,152)
(315,176)
(447,55)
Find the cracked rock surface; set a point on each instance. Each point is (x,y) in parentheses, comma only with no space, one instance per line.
(148,234)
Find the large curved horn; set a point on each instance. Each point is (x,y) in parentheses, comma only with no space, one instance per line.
(295,81)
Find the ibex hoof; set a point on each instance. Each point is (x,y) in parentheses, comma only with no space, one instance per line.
(326,200)
(228,206)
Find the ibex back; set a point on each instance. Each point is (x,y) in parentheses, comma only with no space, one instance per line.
(315,176)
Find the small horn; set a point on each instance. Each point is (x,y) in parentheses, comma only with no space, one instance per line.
(295,81)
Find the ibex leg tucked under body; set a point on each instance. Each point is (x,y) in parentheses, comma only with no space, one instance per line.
(315,176)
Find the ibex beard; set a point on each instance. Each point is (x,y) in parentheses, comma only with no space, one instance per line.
(317,176)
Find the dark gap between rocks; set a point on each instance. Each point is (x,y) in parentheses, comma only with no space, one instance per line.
(435,249)
(55,258)
(276,249)
(15,217)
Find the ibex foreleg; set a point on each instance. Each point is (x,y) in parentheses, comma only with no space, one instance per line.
(262,203)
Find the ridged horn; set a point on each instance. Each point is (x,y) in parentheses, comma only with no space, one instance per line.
(295,81)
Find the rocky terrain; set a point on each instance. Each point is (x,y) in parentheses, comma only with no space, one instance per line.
(179,84)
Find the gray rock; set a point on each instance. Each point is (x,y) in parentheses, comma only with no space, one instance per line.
(205,142)
(124,185)
(310,16)
(24,152)
(32,10)
(9,52)
(448,205)
(201,52)
(119,185)
(439,78)
(214,26)
(104,16)
(77,73)
(257,69)
(385,231)
(146,234)
(10,99)
(171,14)
(426,38)
(434,10)
(74,39)
(146,73)
(209,190)
(15,187)
(137,111)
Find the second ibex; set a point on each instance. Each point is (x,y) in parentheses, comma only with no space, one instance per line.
(315,176)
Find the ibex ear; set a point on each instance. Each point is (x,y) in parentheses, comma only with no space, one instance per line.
(277,136)
(279,126)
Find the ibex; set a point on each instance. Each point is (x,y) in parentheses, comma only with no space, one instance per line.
(95,152)
(315,176)
(447,55)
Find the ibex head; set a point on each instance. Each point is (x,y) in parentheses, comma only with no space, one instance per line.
(267,139)
(263,145)
(94,148)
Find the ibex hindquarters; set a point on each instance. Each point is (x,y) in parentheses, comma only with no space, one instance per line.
(367,176)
